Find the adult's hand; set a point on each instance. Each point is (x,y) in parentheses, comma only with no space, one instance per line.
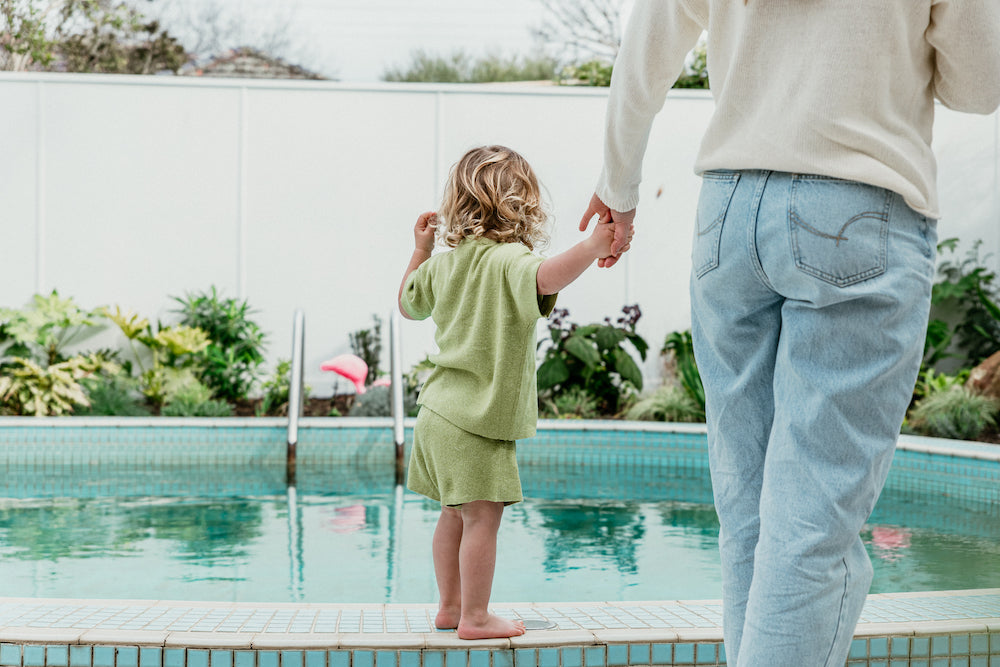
(624,229)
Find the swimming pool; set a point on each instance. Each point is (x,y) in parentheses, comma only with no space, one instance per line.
(658,461)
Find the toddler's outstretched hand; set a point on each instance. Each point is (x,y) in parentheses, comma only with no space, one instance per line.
(603,238)
(423,231)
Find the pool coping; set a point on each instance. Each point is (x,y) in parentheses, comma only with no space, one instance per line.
(82,622)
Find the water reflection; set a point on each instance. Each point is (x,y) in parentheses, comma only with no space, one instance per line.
(363,544)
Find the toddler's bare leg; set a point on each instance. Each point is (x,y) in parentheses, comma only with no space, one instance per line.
(477,560)
(447,539)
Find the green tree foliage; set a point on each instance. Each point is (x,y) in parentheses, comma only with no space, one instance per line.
(460,67)
(98,36)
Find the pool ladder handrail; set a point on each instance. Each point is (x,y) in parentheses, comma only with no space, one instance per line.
(296,390)
(398,407)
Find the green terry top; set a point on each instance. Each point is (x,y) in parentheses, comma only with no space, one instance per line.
(484,300)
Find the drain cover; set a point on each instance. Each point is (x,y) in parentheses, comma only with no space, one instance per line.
(538,624)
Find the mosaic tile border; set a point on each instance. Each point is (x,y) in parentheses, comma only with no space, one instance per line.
(927,629)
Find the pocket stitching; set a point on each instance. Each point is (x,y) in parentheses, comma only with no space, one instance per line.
(731,181)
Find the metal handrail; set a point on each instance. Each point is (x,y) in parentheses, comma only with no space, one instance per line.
(296,389)
(398,408)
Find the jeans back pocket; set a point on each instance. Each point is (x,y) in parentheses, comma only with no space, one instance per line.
(839,229)
(717,188)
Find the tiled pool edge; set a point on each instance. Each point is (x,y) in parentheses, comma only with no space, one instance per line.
(940,639)
(951,638)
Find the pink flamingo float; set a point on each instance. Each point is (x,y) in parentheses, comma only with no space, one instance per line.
(349,366)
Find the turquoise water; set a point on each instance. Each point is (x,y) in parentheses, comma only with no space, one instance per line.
(352,536)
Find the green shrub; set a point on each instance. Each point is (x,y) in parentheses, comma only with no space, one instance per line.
(593,359)
(44,329)
(187,407)
(459,67)
(367,344)
(113,396)
(574,403)
(27,388)
(228,364)
(377,402)
(956,412)
(680,347)
(668,404)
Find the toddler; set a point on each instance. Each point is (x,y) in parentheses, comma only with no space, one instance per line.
(485,297)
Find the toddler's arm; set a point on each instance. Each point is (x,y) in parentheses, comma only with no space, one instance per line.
(423,241)
(557,272)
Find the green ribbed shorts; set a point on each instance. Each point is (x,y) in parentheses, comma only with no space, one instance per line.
(454,467)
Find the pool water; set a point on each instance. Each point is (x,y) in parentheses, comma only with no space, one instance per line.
(375,545)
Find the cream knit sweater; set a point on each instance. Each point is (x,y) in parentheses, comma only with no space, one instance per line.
(842,88)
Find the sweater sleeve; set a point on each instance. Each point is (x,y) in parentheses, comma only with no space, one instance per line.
(965,35)
(658,37)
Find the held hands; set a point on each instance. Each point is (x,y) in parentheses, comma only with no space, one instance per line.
(623,228)
(424,230)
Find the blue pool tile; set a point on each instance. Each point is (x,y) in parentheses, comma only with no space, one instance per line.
(244,658)
(150,657)
(899,663)
(104,656)
(859,649)
(979,661)
(267,659)
(10,654)
(920,646)
(479,658)
(878,647)
(455,658)
(221,658)
(523,657)
(340,658)
(57,656)
(959,662)
(960,645)
(638,654)
(899,647)
(684,654)
(722,653)
(617,655)
(79,656)
(197,657)
(501,659)
(315,658)
(571,656)
(128,656)
(940,662)
(979,644)
(364,658)
(939,646)
(290,659)
(705,654)
(34,656)
(433,659)
(172,657)
(383,659)
(548,657)
(594,656)
(662,654)
(409,659)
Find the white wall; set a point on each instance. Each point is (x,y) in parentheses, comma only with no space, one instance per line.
(130,190)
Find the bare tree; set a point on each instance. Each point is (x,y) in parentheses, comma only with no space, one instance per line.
(208,28)
(581,29)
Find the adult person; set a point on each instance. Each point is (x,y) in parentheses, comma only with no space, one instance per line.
(813,260)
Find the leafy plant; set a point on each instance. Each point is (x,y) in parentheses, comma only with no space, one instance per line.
(590,73)
(967,317)
(367,344)
(377,402)
(592,358)
(44,329)
(668,403)
(115,395)
(574,403)
(31,389)
(459,67)
(680,347)
(167,349)
(955,412)
(229,363)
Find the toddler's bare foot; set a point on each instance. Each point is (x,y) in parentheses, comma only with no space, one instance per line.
(491,627)
(447,618)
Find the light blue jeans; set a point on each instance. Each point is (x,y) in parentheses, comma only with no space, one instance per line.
(809,299)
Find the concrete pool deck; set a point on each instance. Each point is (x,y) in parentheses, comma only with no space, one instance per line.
(932,628)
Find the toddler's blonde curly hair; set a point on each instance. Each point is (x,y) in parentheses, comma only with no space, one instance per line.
(493,193)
